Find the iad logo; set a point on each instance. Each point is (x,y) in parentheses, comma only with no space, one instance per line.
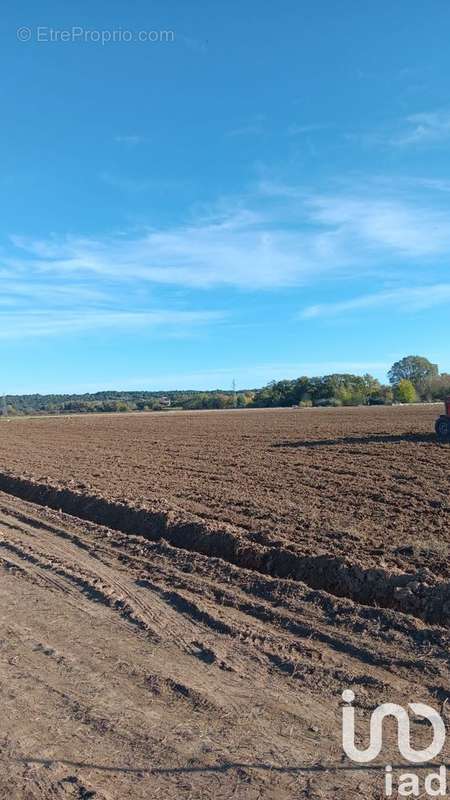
(409,783)
(403,731)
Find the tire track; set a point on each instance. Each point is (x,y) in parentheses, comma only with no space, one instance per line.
(247,621)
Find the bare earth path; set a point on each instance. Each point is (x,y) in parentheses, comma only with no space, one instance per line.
(132,669)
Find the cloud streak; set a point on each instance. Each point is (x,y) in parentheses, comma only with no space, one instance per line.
(277,237)
(280,237)
(426,128)
(22,324)
(410,299)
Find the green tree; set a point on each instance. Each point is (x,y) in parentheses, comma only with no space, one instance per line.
(440,386)
(405,391)
(416,369)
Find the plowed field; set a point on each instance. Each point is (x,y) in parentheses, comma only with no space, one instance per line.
(185,596)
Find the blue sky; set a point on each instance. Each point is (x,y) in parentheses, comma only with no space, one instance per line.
(249,190)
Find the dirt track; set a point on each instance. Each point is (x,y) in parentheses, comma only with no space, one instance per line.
(141,666)
(132,669)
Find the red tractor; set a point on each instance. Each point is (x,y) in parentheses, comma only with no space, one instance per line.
(443,422)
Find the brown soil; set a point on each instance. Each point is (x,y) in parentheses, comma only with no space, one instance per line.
(368,483)
(254,565)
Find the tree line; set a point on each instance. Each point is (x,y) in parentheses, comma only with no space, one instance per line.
(118,402)
(412,379)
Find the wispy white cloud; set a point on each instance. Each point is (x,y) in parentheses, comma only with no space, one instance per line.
(49,292)
(279,236)
(24,324)
(425,128)
(205,255)
(403,228)
(404,299)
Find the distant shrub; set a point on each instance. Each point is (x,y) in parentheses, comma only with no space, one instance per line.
(305,404)
(405,391)
(328,401)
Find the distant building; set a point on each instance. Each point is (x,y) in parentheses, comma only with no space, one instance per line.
(165,401)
